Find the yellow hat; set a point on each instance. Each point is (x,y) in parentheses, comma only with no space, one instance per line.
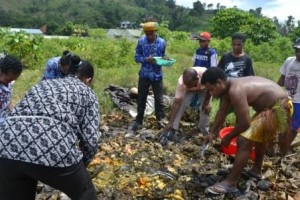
(150,26)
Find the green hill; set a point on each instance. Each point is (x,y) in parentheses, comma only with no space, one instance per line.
(100,13)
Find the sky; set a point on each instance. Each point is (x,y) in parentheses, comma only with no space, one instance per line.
(270,8)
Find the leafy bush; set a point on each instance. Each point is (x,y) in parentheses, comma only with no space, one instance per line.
(24,46)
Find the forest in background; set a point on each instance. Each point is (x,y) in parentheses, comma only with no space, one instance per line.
(59,15)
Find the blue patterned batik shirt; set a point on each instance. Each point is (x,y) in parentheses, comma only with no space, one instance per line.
(52,69)
(145,49)
(56,124)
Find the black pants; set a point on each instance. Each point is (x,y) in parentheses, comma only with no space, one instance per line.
(143,90)
(18,180)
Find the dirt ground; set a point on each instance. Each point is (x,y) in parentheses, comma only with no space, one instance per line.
(137,166)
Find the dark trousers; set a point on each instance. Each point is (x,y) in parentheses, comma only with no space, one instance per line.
(18,180)
(143,90)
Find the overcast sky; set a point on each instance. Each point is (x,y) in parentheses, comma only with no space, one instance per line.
(270,8)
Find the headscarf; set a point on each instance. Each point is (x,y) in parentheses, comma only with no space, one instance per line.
(150,26)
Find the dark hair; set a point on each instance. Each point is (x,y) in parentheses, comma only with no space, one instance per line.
(85,70)
(239,36)
(65,58)
(74,64)
(10,64)
(212,75)
(190,74)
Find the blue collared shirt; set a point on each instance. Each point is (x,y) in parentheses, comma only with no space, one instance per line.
(145,49)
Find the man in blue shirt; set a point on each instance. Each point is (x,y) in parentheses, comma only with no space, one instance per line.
(150,45)
(204,57)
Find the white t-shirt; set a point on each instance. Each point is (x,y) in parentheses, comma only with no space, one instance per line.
(291,70)
(181,89)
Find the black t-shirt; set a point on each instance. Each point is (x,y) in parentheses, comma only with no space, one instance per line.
(236,67)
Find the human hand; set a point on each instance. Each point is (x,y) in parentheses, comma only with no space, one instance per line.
(151,60)
(209,138)
(206,107)
(226,140)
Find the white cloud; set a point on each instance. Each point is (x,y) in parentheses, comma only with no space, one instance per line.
(270,8)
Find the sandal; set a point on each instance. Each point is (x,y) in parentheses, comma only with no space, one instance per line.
(220,188)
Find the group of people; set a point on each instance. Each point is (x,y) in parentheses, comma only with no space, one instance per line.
(233,81)
(52,134)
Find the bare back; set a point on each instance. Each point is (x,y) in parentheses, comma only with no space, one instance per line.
(258,92)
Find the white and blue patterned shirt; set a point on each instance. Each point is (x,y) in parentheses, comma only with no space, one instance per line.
(56,124)
(5,97)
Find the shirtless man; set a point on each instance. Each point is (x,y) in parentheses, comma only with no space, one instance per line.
(272,108)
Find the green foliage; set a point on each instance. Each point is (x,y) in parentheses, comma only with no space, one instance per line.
(24,46)
(99,13)
(229,21)
(180,35)
(66,29)
(97,33)
(295,33)
(260,30)
(222,46)
(164,31)
(273,52)
(114,59)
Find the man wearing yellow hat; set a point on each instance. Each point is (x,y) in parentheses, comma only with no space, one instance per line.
(149,45)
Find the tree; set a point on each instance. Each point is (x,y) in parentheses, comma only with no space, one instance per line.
(256,12)
(171,4)
(290,24)
(260,30)
(210,6)
(228,21)
(198,9)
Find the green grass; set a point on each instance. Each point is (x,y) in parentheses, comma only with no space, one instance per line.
(128,77)
(114,64)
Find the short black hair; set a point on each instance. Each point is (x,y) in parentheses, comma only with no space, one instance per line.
(10,63)
(239,36)
(85,70)
(74,63)
(212,75)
